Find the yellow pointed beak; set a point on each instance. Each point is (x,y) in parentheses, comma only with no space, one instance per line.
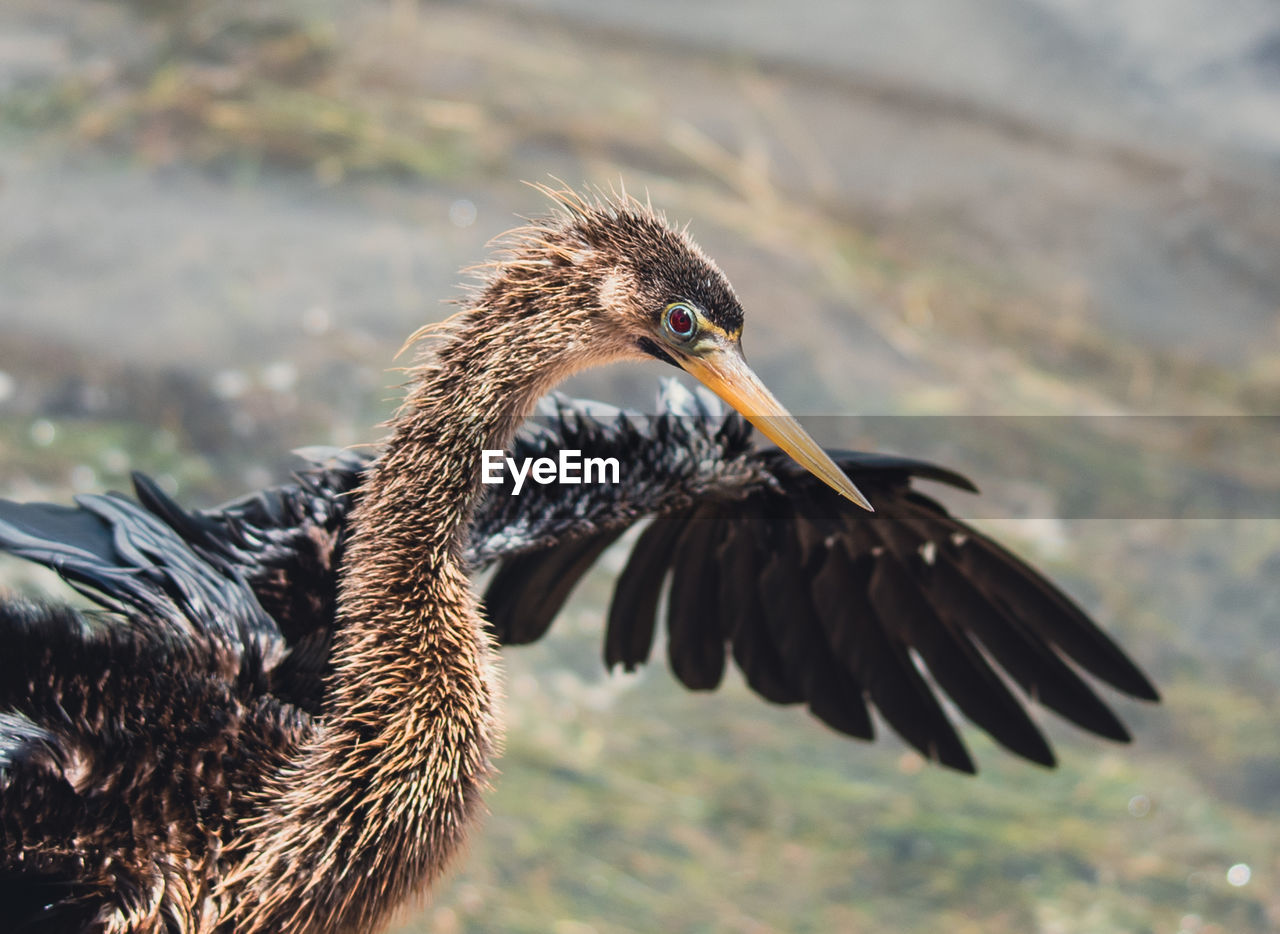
(725,372)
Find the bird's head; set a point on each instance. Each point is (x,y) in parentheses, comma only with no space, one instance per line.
(607,279)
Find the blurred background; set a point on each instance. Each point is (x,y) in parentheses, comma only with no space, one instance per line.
(219,220)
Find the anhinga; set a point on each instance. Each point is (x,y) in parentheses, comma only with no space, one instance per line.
(283,719)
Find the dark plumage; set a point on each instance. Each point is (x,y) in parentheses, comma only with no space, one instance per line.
(281,720)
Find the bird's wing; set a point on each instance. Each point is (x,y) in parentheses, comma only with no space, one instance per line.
(285,541)
(286,544)
(815,600)
(129,561)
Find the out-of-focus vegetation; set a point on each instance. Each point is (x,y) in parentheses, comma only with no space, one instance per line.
(229,84)
(624,804)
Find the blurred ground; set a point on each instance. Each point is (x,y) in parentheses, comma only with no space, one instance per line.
(217,223)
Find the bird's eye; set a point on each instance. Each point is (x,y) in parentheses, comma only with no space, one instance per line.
(681,321)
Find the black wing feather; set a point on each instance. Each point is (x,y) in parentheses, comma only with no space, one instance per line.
(754,650)
(870,646)
(695,642)
(528,591)
(833,692)
(1031,662)
(905,578)
(633,612)
(1053,615)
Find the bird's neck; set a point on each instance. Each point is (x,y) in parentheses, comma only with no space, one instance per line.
(418,500)
(377,802)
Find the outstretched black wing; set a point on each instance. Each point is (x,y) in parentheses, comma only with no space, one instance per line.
(819,603)
(815,600)
(127,559)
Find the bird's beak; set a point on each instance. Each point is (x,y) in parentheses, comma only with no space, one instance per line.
(725,372)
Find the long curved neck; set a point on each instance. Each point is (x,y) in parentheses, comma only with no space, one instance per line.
(418,499)
(375,803)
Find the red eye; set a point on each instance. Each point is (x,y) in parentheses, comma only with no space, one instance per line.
(680,320)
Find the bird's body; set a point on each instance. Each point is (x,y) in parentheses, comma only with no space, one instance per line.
(284,720)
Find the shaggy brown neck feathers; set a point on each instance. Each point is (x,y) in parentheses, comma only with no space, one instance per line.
(370,811)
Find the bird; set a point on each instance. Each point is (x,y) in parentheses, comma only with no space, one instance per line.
(280,714)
